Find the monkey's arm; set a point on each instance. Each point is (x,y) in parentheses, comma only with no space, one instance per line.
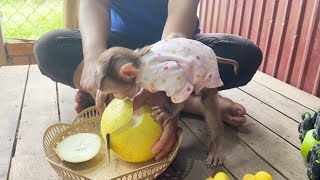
(174,109)
(182,18)
(141,98)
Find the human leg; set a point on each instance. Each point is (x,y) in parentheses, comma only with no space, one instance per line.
(59,56)
(249,57)
(237,48)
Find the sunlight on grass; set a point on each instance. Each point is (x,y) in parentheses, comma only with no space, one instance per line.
(29,19)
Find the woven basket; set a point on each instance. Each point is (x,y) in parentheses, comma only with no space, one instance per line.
(99,167)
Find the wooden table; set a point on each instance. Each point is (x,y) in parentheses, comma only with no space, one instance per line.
(30,102)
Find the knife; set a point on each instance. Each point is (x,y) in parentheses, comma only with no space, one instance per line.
(108,146)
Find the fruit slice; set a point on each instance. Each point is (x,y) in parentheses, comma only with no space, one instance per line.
(79,147)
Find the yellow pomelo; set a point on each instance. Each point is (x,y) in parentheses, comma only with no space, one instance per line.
(221,176)
(262,175)
(248,177)
(132,135)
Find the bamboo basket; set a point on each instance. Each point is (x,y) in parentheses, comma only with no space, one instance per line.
(99,167)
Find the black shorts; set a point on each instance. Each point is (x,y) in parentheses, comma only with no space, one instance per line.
(59,52)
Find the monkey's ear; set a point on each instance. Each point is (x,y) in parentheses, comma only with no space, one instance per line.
(142,51)
(128,71)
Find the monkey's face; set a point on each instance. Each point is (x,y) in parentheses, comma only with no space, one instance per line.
(128,92)
(117,70)
(119,90)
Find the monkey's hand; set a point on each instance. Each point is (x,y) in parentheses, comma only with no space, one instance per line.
(161,115)
(167,113)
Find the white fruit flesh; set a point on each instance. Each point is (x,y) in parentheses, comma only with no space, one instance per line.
(79,147)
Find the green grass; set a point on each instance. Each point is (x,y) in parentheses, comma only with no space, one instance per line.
(29,19)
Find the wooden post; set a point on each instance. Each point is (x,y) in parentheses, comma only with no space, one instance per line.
(3,54)
(70,14)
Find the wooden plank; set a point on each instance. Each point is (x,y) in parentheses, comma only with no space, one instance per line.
(190,160)
(3,54)
(20,48)
(280,154)
(231,16)
(281,35)
(38,113)
(239,159)
(275,150)
(260,20)
(266,115)
(70,14)
(297,95)
(21,60)
(210,24)
(66,103)
(309,40)
(13,81)
(226,13)
(297,20)
(251,15)
(275,100)
(270,29)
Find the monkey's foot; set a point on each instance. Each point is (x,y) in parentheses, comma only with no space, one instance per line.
(214,159)
(83,100)
(232,113)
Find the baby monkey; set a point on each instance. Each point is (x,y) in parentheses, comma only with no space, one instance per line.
(176,66)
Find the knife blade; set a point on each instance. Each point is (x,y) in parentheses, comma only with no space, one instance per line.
(108,146)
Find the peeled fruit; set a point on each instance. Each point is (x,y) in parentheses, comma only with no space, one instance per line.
(79,147)
(132,134)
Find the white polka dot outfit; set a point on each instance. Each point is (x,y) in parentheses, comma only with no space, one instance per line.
(179,66)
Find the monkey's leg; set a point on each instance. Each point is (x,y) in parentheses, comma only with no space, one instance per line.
(213,118)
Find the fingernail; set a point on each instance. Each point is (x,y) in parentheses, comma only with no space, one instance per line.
(154,151)
(239,112)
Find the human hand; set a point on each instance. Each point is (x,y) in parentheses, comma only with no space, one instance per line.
(167,140)
(87,81)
